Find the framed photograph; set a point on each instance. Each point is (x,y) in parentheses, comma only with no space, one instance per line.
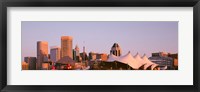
(104,45)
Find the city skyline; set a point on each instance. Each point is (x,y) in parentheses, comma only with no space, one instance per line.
(140,37)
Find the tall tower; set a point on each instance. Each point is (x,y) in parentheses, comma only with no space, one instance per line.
(42,53)
(76,54)
(84,57)
(77,50)
(116,50)
(66,46)
(55,54)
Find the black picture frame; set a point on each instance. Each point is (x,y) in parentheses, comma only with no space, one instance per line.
(99,3)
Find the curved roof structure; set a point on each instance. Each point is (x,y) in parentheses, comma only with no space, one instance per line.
(130,60)
(112,58)
(137,57)
(148,63)
(135,62)
(146,60)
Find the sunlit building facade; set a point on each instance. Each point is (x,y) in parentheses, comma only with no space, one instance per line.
(102,56)
(42,53)
(66,46)
(98,56)
(24,65)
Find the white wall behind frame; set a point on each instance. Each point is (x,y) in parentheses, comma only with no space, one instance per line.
(184,76)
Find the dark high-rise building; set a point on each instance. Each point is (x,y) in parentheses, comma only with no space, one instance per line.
(55,54)
(77,50)
(84,55)
(31,62)
(76,54)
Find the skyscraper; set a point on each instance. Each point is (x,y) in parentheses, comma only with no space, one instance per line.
(116,50)
(31,62)
(66,46)
(77,50)
(55,54)
(84,54)
(76,54)
(42,53)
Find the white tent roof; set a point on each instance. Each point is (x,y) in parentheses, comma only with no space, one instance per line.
(148,62)
(146,66)
(137,57)
(112,58)
(128,59)
(135,62)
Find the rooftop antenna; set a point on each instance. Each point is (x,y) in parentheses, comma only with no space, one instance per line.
(83,46)
(83,50)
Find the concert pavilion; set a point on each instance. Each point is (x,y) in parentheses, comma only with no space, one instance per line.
(136,62)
